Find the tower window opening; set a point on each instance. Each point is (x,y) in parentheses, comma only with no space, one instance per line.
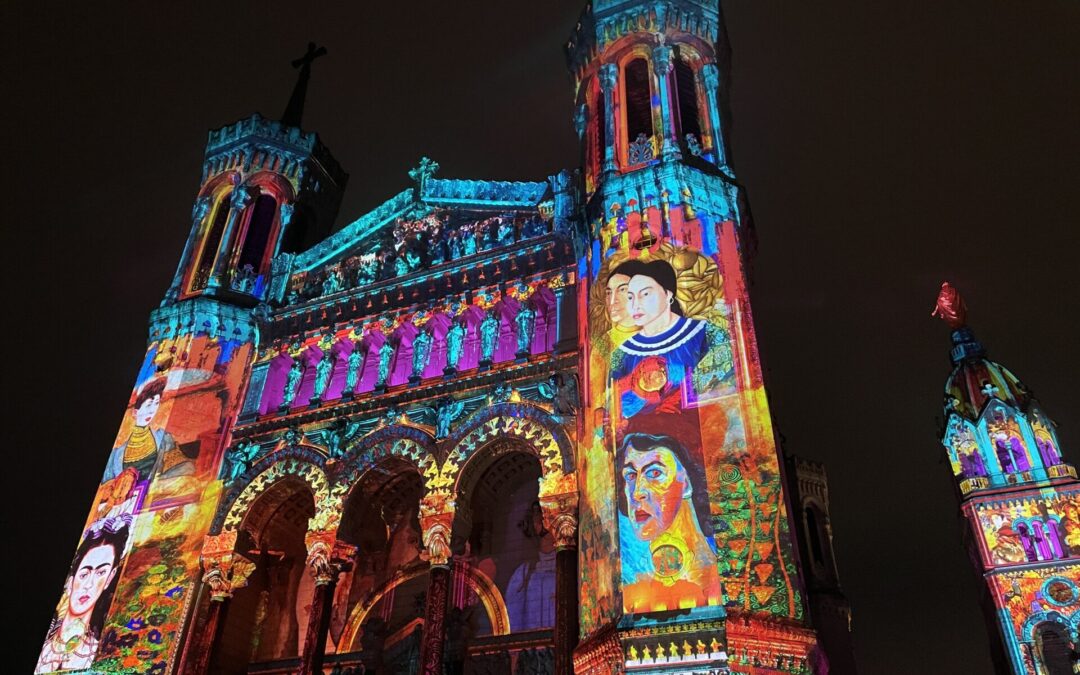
(1055,650)
(260,225)
(1026,541)
(686,100)
(211,242)
(814,536)
(638,93)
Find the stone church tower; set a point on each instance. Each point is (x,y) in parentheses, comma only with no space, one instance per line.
(487,427)
(1020,502)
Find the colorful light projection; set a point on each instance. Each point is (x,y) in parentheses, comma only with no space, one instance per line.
(157,499)
(1029,600)
(682,454)
(1030,529)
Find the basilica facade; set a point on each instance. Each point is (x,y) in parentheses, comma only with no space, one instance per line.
(487,427)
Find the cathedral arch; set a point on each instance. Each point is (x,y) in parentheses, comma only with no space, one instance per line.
(636,84)
(525,422)
(304,463)
(219,195)
(1004,427)
(409,444)
(478,582)
(267,618)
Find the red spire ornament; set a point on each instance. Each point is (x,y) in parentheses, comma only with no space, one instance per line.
(950,307)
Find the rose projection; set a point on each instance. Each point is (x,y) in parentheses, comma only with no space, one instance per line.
(678,432)
(121,610)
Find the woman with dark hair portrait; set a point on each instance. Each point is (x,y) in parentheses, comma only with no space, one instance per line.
(655,367)
(75,633)
(668,559)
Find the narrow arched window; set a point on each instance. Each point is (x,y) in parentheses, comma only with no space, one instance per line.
(638,105)
(1054,648)
(687,102)
(813,533)
(260,225)
(211,242)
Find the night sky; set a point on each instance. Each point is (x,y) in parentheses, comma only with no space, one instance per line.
(885,147)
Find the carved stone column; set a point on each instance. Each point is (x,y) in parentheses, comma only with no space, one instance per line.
(436,519)
(558,501)
(710,77)
(198,215)
(662,64)
(609,80)
(224,571)
(325,562)
(240,199)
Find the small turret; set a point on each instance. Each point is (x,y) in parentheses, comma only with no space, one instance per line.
(995,432)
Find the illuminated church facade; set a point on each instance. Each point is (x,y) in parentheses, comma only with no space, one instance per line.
(487,427)
(1020,506)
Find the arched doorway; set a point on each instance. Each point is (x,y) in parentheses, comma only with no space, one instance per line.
(266,620)
(1054,648)
(500,537)
(379,605)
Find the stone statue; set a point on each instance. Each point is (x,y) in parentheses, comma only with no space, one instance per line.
(469,243)
(292,383)
(421,353)
(332,283)
(448,411)
(525,320)
(401,267)
(505,233)
(950,307)
(455,340)
(323,369)
(352,373)
(455,245)
(241,457)
(561,390)
(489,333)
(386,353)
(501,393)
(336,435)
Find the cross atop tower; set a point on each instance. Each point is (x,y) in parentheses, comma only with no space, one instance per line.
(294,111)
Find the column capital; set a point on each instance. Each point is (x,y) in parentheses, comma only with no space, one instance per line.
(225,573)
(327,557)
(437,510)
(559,502)
(663,56)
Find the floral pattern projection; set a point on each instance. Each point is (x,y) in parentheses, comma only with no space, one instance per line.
(1030,529)
(681,452)
(131,580)
(1031,598)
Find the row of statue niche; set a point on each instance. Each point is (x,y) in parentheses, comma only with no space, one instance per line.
(414,245)
(525,327)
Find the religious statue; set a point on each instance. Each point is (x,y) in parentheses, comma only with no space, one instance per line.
(332,283)
(412,259)
(489,333)
(386,353)
(421,353)
(455,245)
(448,411)
(561,390)
(323,369)
(336,434)
(292,383)
(455,340)
(505,232)
(240,458)
(352,372)
(525,320)
(469,241)
(950,307)
(391,416)
(501,393)
(401,268)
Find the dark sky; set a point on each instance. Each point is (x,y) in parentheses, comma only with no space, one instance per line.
(886,146)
